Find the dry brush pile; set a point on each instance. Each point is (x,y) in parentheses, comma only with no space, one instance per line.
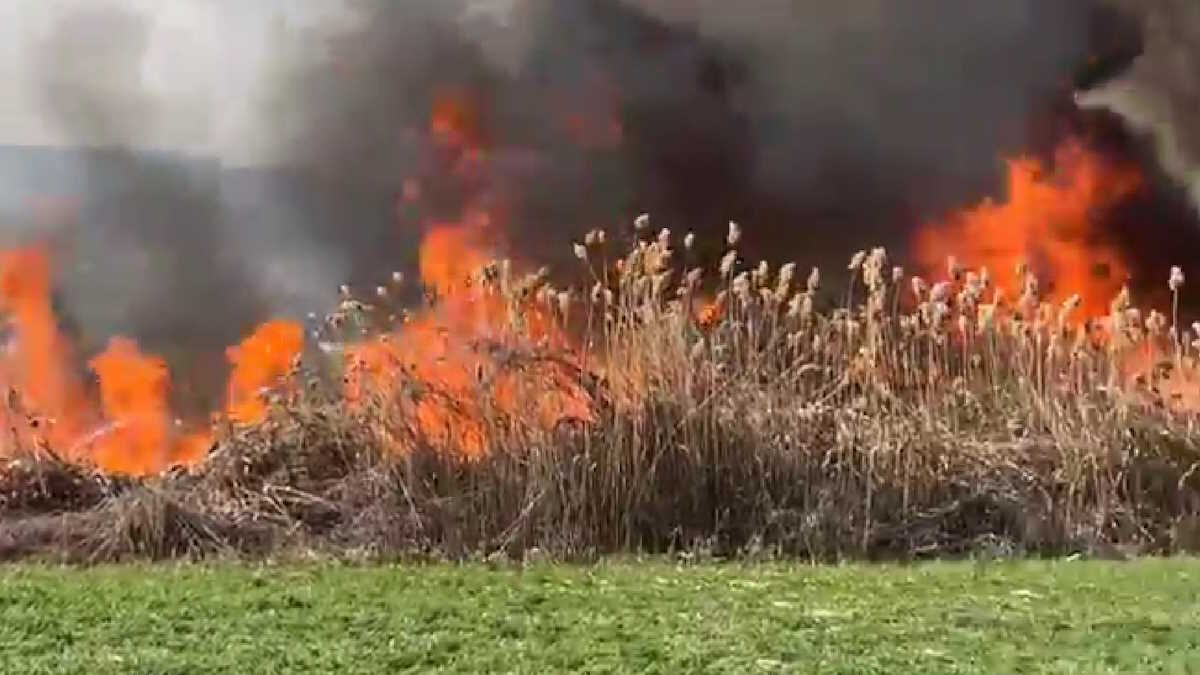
(734,411)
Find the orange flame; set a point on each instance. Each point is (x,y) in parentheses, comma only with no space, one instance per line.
(133,394)
(36,363)
(459,354)
(452,252)
(130,430)
(1049,222)
(258,362)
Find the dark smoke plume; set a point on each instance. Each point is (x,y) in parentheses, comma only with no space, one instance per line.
(827,124)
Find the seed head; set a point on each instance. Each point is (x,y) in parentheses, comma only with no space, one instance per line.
(381,291)
(727,263)
(741,285)
(735,234)
(641,222)
(814,280)
(397,277)
(581,252)
(689,240)
(1175,281)
(918,288)
(856,260)
(664,238)
(787,273)
(897,274)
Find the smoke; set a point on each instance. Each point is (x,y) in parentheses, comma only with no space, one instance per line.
(1160,94)
(254,152)
(828,123)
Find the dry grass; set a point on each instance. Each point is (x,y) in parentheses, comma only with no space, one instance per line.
(730,412)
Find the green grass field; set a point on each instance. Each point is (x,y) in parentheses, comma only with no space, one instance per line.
(632,618)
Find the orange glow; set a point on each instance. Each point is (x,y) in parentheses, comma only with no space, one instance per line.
(452,252)
(133,395)
(460,356)
(709,314)
(37,360)
(130,429)
(455,120)
(456,123)
(1050,222)
(258,362)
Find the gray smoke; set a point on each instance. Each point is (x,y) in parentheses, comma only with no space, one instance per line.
(830,123)
(1160,93)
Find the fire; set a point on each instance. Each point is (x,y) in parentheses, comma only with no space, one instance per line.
(133,395)
(452,252)
(130,429)
(474,357)
(260,361)
(37,359)
(477,356)
(1050,222)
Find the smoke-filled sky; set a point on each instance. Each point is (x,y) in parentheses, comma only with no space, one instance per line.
(184,74)
(192,74)
(824,126)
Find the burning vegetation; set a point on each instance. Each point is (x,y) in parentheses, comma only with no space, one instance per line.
(670,391)
(655,405)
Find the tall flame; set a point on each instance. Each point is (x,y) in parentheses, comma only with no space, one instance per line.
(466,357)
(473,357)
(260,361)
(133,394)
(37,359)
(1050,222)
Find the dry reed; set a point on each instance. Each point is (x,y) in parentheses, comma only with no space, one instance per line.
(733,412)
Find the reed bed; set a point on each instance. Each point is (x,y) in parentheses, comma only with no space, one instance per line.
(661,406)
